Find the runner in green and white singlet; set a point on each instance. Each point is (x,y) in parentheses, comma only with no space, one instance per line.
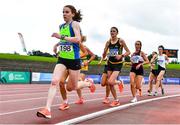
(162,59)
(69,59)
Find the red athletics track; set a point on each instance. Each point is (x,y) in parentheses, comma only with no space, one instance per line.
(19,103)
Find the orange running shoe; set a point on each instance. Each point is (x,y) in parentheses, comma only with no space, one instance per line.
(140,92)
(121,86)
(106,101)
(114,103)
(44,113)
(80,101)
(64,106)
(92,87)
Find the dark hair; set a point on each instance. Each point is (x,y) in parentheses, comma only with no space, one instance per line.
(140,44)
(77,14)
(161,46)
(83,38)
(115,28)
(155,52)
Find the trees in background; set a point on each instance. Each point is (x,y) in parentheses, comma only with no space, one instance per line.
(39,53)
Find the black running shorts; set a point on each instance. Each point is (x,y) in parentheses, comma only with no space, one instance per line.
(105,69)
(139,71)
(114,67)
(73,64)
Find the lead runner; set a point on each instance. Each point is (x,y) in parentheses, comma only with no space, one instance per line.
(69,57)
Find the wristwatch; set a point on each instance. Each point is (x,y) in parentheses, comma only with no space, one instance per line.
(62,37)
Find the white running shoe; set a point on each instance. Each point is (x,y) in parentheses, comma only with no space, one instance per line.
(155,94)
(134,100)
(149,93)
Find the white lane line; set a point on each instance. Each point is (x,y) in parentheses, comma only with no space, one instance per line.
(33,90)
(69,95)
(36,108)
(44,97)
(29,88)
(106,111)
(42,93)
(15,92)
(26,88)
(34,93)
(21,89)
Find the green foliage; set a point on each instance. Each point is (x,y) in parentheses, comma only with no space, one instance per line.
(27,58)
(173,66)
(53,59)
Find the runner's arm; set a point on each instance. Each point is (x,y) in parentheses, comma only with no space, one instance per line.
(83,49)
(55,48)
(126,48)
(153,58)
(91,54)
(146,60)
(75,39)
(167,59)
(105,50)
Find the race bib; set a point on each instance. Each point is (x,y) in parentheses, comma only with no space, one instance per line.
(113,52)
(136,59)
(160,62)
(65,48)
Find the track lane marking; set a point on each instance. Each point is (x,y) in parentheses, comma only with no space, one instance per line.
(90,100)
(110,110)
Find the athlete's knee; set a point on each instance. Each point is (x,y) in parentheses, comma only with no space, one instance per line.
(103,84)
(138,86)
(158,79)
(111,82)
(54,82)
(150,81)
(70,88)
(133,84)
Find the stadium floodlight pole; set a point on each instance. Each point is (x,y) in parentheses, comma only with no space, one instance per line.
(22,42)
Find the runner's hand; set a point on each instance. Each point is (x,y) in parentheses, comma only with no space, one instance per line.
(56,35)
(99,63)
(85,63)
(138,66)
(118,57)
